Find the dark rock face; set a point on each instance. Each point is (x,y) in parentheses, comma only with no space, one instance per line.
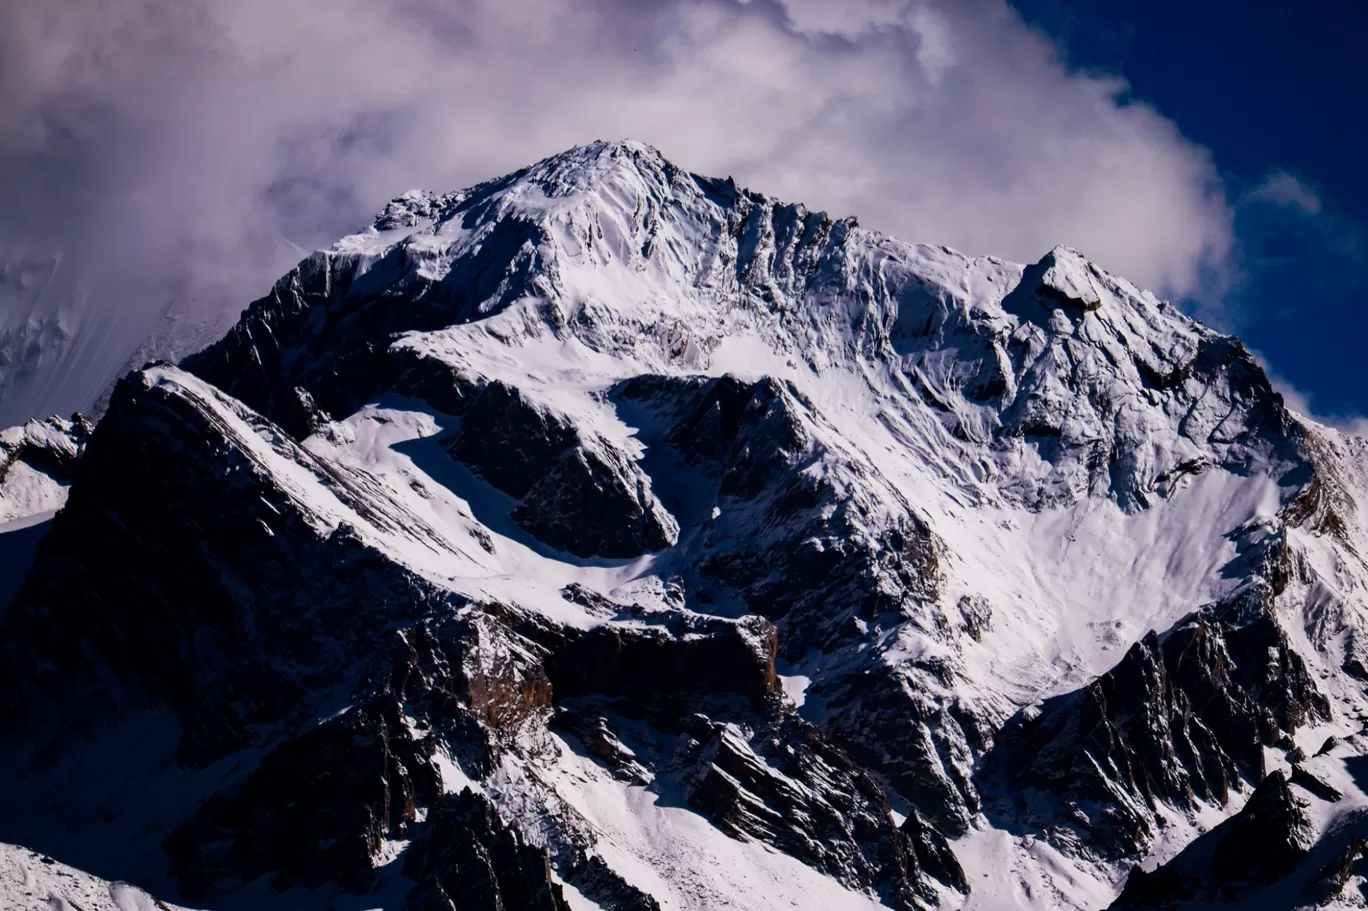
(416,375)
(1180,718)
(315,811)
(477,663)
(585,496)
(760,773)
(579,493)
(596,502)
(712,656)
(324,327)
(201,586)
(753,442)
(319,687)
(331,621)
(156,586)
(693,707)
(825,571)
(51,447)
(786,786)
(467,857)
(1261,843)
(335,629)
(925,749)
(509,441)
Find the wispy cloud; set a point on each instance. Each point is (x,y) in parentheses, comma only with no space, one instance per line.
(1281,188)
(1292,249)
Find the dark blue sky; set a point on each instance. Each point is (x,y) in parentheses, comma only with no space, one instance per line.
(1267,87)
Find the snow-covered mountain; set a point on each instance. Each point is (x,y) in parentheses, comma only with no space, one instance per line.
(609,536)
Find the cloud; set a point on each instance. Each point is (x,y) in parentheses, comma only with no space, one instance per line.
(174,150)
(1279,188)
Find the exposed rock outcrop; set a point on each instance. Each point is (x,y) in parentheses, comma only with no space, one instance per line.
(316,811)
(578,492)
(1264,841)
(1182,719)
(841,553)
(37,462)
(702,656)
(467,857)
(200,580)
(786,786)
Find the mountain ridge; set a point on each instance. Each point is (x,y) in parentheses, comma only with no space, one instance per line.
(663,443)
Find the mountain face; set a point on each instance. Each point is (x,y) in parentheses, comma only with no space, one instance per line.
(609,536)
(63,342)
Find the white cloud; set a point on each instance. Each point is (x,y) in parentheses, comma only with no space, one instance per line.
(1286,190)
(178,143)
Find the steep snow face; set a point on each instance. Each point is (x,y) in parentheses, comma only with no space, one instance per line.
(1327,532)
(554,487)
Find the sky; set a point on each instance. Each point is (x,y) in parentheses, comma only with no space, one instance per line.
(163,161)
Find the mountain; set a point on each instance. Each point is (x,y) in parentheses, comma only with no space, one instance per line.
(609,536)
(64,342)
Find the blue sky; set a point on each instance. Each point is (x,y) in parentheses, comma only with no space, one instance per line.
(1278,92)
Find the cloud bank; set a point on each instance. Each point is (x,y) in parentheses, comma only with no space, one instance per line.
(180,153)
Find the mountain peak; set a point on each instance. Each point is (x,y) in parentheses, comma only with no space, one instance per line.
(609,248)
(1066,277)
(633,148)
(602,166)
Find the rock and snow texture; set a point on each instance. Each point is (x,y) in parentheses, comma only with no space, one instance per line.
(36,462)
(486,554)
(30,881)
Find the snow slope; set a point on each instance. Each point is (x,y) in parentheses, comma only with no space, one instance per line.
(35,882)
